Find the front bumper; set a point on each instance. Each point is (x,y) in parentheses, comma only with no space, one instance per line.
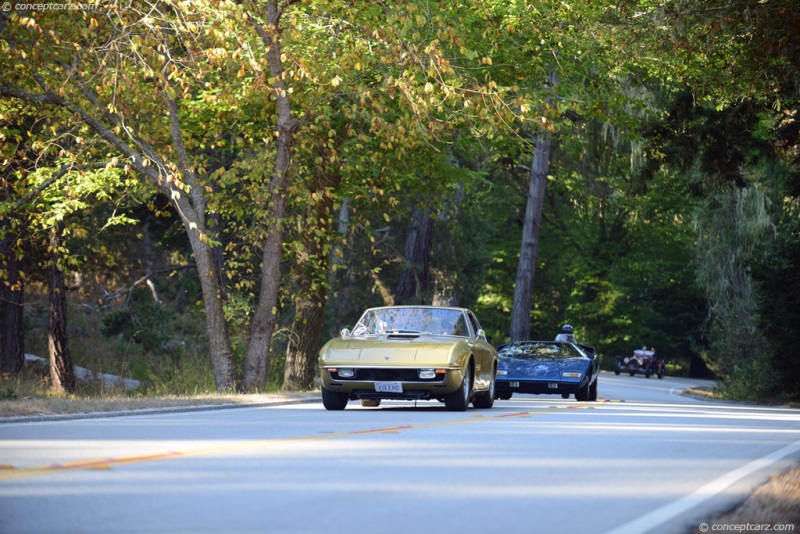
(538,387)
(363,385)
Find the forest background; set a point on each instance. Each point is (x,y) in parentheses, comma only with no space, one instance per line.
(198,194)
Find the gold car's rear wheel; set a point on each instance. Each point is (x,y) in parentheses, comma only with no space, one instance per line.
(459,400)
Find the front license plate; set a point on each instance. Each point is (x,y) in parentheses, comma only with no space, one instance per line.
(389,387)
(513,384)
(552,385)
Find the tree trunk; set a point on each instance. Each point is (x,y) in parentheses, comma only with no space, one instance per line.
(529,250)
(257,357)
(414,279)
(312,295)
(263,323)
(341,281)
(12,297)
(62,373)
(301,352)
(216,327)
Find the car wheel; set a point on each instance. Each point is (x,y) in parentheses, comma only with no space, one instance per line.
(565,395)
(459,400)
(617,367)
(633,373)
(593,390)
(486,400)
(370,403)
(333,400)
(582,395)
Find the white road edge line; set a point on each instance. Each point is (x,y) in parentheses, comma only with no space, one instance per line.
(655,518)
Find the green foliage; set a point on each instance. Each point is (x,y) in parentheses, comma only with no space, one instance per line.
(777,276)
(143,322)
(755,378)
(731,231)
(8,390)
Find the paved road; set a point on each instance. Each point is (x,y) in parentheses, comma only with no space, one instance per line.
(642,459)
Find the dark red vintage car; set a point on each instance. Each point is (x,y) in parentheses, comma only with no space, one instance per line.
(642,361)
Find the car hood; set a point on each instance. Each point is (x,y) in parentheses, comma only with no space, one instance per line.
(541,369)
(391,350)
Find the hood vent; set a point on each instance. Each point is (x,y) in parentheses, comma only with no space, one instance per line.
(403,335)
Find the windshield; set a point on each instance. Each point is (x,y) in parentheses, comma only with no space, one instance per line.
(540,351)
(440,321)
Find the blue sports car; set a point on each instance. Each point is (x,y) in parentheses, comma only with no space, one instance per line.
(550,367)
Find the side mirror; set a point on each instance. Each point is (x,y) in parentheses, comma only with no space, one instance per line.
(345,332)
(481,334)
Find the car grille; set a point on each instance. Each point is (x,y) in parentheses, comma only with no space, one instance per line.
(387,375)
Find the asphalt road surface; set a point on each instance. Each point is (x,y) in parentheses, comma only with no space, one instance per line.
(642,459)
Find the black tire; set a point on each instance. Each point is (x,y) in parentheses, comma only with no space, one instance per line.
(617,367)
(633,373)
(648,371)
(582,395)
(459,400)
(593,390)
(486,400)
(565,395)
(333,400)
(370,403)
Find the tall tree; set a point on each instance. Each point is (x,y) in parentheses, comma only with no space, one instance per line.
(60,75)
(12,297)
(414,280)
(62,372)
(269,29)
(529,249)
(17,158)
(312,287)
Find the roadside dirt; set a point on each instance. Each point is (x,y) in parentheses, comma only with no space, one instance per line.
(773,507)
(33,406)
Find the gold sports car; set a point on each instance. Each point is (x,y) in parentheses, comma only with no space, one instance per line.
(410,353)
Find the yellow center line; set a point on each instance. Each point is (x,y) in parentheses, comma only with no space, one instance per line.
(9,472)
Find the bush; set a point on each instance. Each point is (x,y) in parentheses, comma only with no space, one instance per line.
(753,380)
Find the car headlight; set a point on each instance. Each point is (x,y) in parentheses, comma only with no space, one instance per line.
(627,360)
(427,374)
(571,375)
(502,372)
(347,373)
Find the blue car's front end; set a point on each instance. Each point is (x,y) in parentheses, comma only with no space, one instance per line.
(545,368)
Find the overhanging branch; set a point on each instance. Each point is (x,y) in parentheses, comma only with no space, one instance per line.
(58,174)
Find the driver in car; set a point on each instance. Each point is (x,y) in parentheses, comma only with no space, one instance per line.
(566,334)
